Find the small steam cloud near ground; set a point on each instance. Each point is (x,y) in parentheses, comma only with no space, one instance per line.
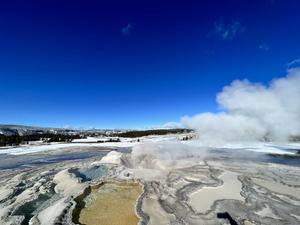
(153,161)
(165,155)
(252,112)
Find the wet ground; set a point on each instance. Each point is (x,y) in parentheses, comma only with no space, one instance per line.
(246,156)
(75,153)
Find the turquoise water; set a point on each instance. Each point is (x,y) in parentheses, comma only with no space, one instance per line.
(88,174)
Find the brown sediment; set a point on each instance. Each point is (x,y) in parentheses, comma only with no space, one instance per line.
(108,203)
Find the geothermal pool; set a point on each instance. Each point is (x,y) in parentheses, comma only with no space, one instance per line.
(110,203)
(88,174)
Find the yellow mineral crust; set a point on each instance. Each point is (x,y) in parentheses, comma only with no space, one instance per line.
(112,203)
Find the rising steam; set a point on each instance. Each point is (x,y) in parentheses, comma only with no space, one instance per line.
(252,112)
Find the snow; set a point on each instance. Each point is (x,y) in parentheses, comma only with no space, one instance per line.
(41,148)
(90,140)
(263,147)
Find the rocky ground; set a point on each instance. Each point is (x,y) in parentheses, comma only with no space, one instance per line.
(214,189)
(254,203)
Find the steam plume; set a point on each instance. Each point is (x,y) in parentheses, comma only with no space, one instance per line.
(252,111)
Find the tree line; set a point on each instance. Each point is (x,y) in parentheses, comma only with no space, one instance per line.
(15,140)
(141,133)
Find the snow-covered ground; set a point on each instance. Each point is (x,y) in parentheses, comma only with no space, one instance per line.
(263,147)
(51,147)
(89,142)
(93,140)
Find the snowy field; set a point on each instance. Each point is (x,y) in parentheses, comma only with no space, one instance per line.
(262,147)
(89,142)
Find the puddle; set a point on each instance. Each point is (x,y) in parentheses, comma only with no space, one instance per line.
(110,203)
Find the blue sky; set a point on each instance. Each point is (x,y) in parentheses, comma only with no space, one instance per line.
(128,64)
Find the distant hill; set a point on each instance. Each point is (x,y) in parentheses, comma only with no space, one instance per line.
(12,135)
(21,130)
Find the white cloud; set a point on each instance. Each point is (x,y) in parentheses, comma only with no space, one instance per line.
(252,112)
(227,31)
(127,29)
(264,47)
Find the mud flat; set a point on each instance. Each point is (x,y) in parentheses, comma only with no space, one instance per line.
(202,199)
(109,203)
